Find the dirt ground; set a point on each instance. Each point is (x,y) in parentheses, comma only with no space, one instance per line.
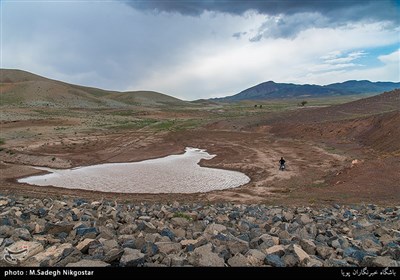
(323,166)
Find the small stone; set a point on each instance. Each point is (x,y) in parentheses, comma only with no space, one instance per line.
(88,263)
(274,260)
(214,229)
(113,255)
(290,260)
(324,251)
(22,233)
(149,249)
(179,233)
(300,254)
(109,244)
(203,256)
(131,257)
(167,232)
(57,228)
(42,212)
(83,246)
(147,227)
(50,256)
(180,222)
(278,250)
(255,257)
(87,232)
(238,261)
(177,261)
(335,244)
(308,246)
(187,242)
(129,243)
(168,247)
(304,219)
(3,202)
(314,262)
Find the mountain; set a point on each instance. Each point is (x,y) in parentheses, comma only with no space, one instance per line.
(272,90)
(22,88)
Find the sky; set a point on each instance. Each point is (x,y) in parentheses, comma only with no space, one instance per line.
(202,49)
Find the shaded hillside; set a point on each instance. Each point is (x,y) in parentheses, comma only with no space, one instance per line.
(385,102)
(20,88)
(272,90)
(373,121)
(144,97)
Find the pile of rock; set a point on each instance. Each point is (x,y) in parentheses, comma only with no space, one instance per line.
(77,232)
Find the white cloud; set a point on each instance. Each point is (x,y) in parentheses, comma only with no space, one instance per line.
(225,67)
(392,58)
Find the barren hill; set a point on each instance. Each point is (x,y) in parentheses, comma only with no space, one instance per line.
(373,121)
(21,88)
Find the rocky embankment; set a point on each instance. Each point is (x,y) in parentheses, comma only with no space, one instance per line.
(77,232)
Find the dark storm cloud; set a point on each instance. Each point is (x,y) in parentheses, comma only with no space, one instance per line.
(286,18)
(334,9)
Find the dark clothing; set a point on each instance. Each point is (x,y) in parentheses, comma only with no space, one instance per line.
(282,161)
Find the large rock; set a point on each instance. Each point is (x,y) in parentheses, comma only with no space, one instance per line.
(203,256)
(52,228)
(324,251)
(213,229)
(109,244)
(299,253)
(83,246)
(87,232)
(50,256)
(180,222)
(304,219)
(238,261)
(278,250)
(167,232)
(168,247)
(147,227)
(235,245)
(264,241)
(128,229)
(149,249)
(22,233)
(70,255)
(131,257)
(274,260)
(113,255)
(308,246)
(255,257)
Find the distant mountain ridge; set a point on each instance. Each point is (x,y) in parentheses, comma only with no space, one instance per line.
(272,90)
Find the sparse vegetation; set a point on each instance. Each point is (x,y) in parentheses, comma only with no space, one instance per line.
(182,215)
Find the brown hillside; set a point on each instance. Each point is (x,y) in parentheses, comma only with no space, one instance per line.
(373,121)
(20,88)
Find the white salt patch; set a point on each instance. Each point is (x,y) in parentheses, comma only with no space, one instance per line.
(171,174)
